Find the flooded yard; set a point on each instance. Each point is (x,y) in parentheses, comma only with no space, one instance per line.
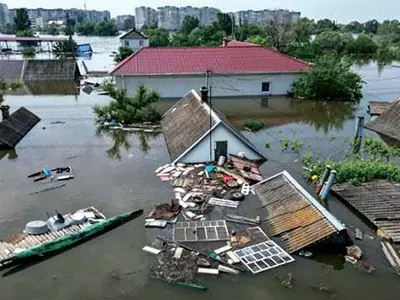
(114,172)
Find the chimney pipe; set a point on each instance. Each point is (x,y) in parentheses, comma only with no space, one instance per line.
(225,41)
(204,94)
(5,111)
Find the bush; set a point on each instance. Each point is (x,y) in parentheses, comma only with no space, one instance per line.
(28,52)
(253,125)
(363,45)
(123,52)
(330,79)
(128,110)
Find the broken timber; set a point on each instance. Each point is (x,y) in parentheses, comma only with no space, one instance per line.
(376,108)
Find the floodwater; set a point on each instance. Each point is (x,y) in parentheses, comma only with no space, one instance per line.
(115,173)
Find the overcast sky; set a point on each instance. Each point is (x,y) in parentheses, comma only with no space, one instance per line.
(339,10)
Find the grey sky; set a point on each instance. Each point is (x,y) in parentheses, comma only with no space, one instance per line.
(340,10)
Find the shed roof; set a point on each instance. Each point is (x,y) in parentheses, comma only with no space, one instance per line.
(197,60)
(388,123)
(187,122)
(51,69)
(133,35)
(11,70)
(294,213)
(16,127)
(378,201)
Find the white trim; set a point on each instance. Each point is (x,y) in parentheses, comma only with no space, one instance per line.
(331,218)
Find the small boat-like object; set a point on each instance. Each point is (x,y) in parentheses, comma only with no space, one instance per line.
(59,233)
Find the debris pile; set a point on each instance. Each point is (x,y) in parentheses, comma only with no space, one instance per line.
(50,179)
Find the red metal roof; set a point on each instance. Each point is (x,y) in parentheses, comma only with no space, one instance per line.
(197,60)
(30,39)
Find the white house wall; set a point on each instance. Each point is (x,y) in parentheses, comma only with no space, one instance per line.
(223,86)
(134,44)
(201,153)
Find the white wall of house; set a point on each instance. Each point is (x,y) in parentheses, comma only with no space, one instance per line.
(201,153)
(223,86)
(136,44)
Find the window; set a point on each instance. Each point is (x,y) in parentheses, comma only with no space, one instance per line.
(265,87)
(141,43)
(126,43)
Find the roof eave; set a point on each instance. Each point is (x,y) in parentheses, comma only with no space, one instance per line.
(214,74)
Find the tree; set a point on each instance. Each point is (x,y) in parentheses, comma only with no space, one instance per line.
(280,36)
(69,25)
(330,79)
(126,109)
(325,25)
(259,40)
(21,20)
(123,52)
(189,23)
(245,31)
(129,23)
(363,45)
(206,36)
(4,87)
(65,49)
(331,42)
(354,27)
(224,23)
(157,36)
(371,27)
(303,29)
(52,30)
(101,28)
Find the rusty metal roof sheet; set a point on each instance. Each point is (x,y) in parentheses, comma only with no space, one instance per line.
(379,201)
(293,213)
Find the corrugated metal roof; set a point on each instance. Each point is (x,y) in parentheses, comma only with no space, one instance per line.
(133,35)
(293,213)
(378,201)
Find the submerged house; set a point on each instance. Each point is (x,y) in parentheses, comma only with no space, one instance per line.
(15,126)
(194,132)
(232,70)
(387,125)
(134,40)
(296,218)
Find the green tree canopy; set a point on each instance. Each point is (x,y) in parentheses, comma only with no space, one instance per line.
(126,109)
(303,29)
(129,23)
(325,25)
(64,49)
(21,20)
(101,28)
(245,31)
(224,23)
(158,37)
(123,52)
(331,42)
(330,79)
(363,45)
(354,27)
(371,27)
(259,40)
(189,23)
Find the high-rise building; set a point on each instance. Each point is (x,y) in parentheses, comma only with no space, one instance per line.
(189,11)
(5,15)
(208,15)
(145,16)
(120,21)
(266,16)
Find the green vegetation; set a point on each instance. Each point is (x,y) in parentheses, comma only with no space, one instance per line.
(158,37)
(126,109)
(65,49)
(123,52)
(21,21)
(129,23)
(253,125)
(330,79)
(28,52)
(102,28)
(4,87)
(371,165)
(51,30)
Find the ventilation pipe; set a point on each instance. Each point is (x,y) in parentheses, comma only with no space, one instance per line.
(327,188)
(324,177)
(204,94)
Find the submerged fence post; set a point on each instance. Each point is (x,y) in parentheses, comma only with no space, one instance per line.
(328,186)
(358,135)
(323,178)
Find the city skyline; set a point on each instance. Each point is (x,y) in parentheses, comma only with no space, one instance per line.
(339,10)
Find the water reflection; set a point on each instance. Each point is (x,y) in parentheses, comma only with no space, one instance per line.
(325,115)
(52,87)
(123,140)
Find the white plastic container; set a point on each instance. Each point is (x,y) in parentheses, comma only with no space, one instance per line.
(221,160)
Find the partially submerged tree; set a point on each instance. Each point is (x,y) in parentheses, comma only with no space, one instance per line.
(65,49)
(330,79)
(128,109)
(21,20)
(123,52)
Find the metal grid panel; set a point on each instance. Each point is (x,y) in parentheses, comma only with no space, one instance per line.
(200,231)
(264,256)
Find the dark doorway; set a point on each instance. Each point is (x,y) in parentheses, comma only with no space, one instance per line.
(221,149)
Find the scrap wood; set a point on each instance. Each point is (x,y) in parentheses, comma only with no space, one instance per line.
(47,189)
(239,178)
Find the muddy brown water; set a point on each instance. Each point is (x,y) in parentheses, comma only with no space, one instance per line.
(115,173)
